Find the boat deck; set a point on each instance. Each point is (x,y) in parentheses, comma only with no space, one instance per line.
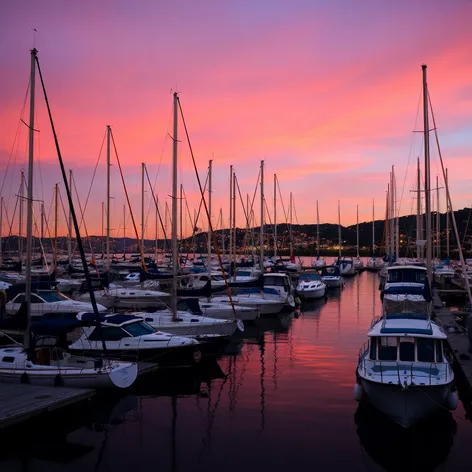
(20,402)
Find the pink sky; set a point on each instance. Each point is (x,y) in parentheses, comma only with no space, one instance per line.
(326,93)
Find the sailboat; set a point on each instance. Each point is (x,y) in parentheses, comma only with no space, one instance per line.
(358,264)
(319,262)
(43,364)
(374,263)
(345,264)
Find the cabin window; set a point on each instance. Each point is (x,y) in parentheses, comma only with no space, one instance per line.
(373,348)
(387,348)
(407,349)
(8,359)
(204,278)
(439,356)
(108,334)
(139,329)
(425,349)
(36,299)
(20,299)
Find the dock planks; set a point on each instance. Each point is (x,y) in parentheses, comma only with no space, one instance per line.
(20,402)
(458,340)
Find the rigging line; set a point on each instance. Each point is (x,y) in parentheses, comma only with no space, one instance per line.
(129,205)
(202,193)
(10,231)
(282,201)
(155,203)
(409,156)
(17,133)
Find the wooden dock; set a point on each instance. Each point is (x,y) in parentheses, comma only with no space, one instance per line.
(457,339)
(20,402)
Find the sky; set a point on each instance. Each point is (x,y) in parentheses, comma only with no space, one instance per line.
(327,93)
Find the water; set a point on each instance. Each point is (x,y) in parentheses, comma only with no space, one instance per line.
(284,403)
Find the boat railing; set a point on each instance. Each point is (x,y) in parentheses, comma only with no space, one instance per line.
(393,368)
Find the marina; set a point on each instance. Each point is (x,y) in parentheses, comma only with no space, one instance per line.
(236,272)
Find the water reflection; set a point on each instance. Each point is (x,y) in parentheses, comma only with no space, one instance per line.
(420,448)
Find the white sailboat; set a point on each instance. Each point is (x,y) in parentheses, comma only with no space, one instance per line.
(374,263)
(358,264)
(319,262)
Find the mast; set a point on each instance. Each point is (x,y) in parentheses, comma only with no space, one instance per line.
(290,227)
(447,220)
(373,228)
(174,212)
(275,216)
(418,210)
(1,229)
(181,199)
(427,181)
(392,214)
(209,235)
(103,228)
(231,215)
(20,216)
(143,167)
(261,239)
(222,231)
(108,197)
(397,219)
(438,221)
(124,231)
(69,225)
(29,213)
(157,229)
(357,213)
(234,224)
(387,229)
(56,192)
(317,231)
(339,228)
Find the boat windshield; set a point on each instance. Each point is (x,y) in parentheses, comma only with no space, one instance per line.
(274,281)
(407,275)
(243,273)
(138,328)
(51,297)
(310,277)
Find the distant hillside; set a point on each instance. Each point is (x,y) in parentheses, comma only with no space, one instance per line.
(303,237)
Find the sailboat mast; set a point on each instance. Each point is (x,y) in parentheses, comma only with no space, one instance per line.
(124,231)
(234,224)
(69,225)
(157,229)
(418,209)
(275,216)
(56,192)
(174,212)
(438,221)
(427,179)
(20,215)
(387,221)
(339,228)
(357,224)
(1,230)
(209,235)
(317,230)
(103,228)
(290,228)
(231,214)
(143,168)
(261,239)
(373,227)
(29,212)
(108,198)
(447,220)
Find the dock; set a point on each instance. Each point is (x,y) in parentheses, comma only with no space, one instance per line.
(21,402)
(458,341)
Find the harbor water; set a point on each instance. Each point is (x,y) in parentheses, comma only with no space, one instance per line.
(279,398)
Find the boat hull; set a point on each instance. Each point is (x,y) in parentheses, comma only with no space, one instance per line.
(406,406)
(312,294)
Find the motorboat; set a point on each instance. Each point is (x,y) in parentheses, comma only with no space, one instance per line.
(280,282)
(267,302)
(406,290)
(130,337)
(218,310)
(246,274)
(311,286)
(331,277)
(51,303)
(404,371)
(358,264)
